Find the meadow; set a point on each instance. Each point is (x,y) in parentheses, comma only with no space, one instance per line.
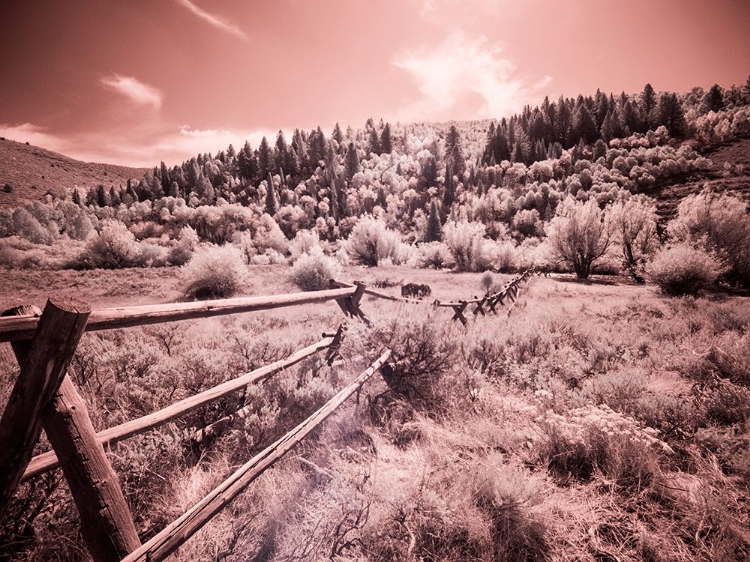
(599,420)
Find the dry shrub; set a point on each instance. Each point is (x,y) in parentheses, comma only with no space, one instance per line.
(593,441)
(214,272)
(434,255)
(424,349)
(682,270)
(113,247)
(313,271)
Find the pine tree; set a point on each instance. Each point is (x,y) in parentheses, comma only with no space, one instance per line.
(381,199)
(648,103)
(270,198)
(281,154)
(714,98)
(429,172)
(265,159)
(434,229)
(672,115)
(101,196)
(166,180)
(351,163)
(453,155)
(338,136)
(449,194)
(386,145)
(373,145)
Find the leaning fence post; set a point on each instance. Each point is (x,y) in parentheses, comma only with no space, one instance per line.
(106,523)
(43,365)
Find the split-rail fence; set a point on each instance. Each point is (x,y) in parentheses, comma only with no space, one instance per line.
(44,397)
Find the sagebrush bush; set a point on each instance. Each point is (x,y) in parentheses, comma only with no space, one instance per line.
(465,242)
(113,247)
(424,350)
(304,242)
(371,241)
(214,272)
(682,270)
(313,271)
(434,255)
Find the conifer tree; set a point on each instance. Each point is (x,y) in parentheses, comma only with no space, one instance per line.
(381,200)
(265,159)
(351,162)
(648,103)
(386,144)
(373,145)
(714,98)
(449,194)
(338,136)
(672,115)
(453,155)
(434,229)
(270,197)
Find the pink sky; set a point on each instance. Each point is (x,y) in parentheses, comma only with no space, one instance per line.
(139,81)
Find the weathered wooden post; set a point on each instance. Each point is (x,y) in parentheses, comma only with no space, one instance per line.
(45,396)
(43,363)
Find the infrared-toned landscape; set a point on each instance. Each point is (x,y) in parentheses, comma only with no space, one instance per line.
(400,281)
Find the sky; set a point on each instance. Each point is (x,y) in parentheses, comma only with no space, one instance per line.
(137,82)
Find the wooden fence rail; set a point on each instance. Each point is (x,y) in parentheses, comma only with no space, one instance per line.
(44,396)
(175,534)
(48,461)
(23,327)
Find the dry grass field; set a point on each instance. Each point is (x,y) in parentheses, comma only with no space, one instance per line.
(597,421)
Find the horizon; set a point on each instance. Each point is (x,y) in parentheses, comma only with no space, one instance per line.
(103,82)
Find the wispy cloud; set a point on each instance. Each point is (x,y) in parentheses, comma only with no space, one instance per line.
(216,21)
(143,146)
(133,89)
(463,78)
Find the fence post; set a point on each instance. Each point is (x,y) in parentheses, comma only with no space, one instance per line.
(106,523)
(43,365)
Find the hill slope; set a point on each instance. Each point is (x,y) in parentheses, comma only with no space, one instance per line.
(731,173)
(34,171)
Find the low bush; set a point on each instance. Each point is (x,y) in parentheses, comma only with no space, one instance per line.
(434,255)
(313,271)
(214,273)
(113,247)
(424,351)
(465,242)
(682,270)
(370,242)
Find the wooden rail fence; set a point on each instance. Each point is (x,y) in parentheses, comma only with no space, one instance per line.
(43,397)
(509,291)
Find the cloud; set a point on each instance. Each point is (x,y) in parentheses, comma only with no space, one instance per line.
(464,79)
(216,21)
(33,134)
(142,146)
(133,89)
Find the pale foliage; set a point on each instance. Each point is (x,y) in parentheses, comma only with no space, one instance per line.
(634,229)
(114,246)
(313,271)
(464,239)
(579,235)
(683,270)
(214,272)
(720,223)
(371,241)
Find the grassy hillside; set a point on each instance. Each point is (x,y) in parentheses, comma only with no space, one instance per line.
(731,173)
(34,171)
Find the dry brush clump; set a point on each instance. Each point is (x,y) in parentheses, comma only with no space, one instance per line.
(214,273)
(682,270)
(313,271)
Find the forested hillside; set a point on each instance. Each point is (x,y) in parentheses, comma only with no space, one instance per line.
(421,182)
